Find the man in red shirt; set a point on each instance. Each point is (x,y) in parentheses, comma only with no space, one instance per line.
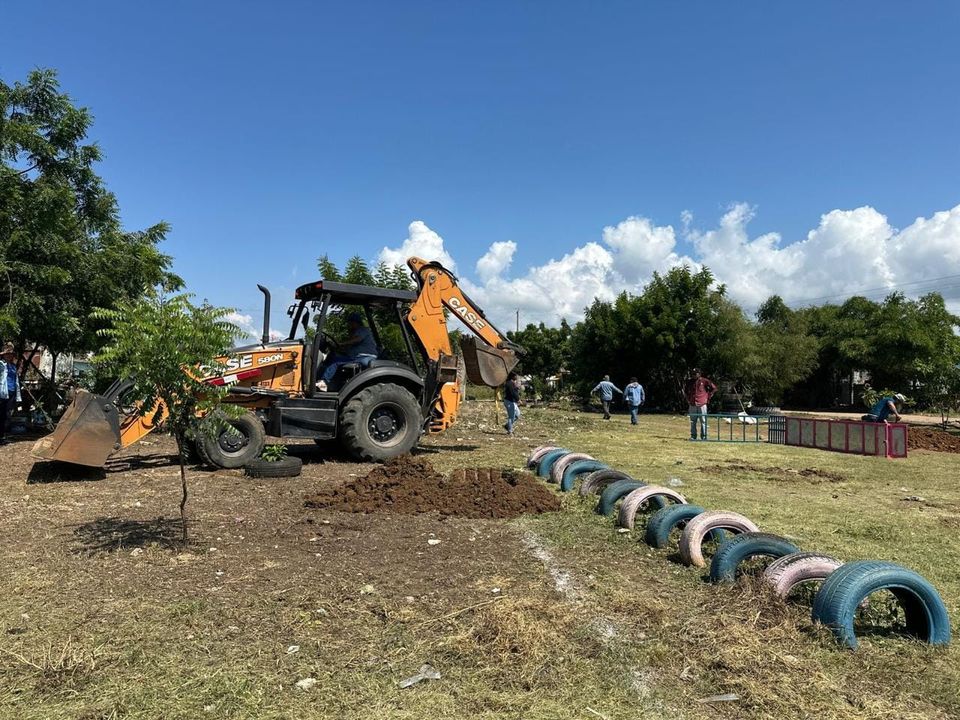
(698,392)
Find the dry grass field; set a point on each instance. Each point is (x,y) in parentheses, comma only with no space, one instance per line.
(549,616)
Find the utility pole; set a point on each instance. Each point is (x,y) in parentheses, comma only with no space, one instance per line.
(518,319)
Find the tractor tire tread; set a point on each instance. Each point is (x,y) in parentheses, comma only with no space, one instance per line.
(353,415)
(285,467)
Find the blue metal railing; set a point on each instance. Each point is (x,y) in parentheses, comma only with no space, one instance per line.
(731,427)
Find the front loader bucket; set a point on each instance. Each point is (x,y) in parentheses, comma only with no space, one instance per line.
(486,365)
(87,434)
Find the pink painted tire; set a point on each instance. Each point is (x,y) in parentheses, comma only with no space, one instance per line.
(556,472)
(595,482)
(534,457)
(784,574)
(632,502)
(691,540)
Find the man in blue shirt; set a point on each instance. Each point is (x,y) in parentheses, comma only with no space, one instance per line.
(605,388)
(359,347)
(884,408)
(9,387)
(635,397)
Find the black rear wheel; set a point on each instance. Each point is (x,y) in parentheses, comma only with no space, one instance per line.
(234,443)
(380,422)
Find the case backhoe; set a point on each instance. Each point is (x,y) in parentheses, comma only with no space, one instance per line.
(377,408)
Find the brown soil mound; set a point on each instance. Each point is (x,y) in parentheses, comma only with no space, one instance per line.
(924,438)
(411,485)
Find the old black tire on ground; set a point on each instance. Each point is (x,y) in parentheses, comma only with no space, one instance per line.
(380,422)
(284,467)
(229,449)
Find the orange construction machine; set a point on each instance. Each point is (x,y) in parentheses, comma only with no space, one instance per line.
(377,406)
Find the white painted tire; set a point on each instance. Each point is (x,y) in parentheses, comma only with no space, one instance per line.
(691,540)
(556,472)
(784,574)
(534,457)
(595,482)
(632,502)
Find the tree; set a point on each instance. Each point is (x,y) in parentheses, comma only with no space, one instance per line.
(679,321)
(62,250)
(911,345)
(547,349)
(782,352)
(154,341)
(328,269)
(357,272)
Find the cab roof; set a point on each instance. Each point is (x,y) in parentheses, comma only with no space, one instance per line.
(349,294)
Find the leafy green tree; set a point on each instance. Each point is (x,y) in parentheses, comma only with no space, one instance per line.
(907,344)
(679,321)
(62,250)
(357,272)
(548,350)
(328,269)
(395,277)
(154,341)
(782,352)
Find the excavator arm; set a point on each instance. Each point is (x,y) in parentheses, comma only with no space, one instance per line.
(488,355)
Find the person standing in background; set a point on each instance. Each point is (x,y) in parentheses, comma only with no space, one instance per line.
(511,401)
(605,388)
(635,397)
(9,387)
(698,392)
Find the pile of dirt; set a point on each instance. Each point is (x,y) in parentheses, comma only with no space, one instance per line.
(411,485)
(925,438)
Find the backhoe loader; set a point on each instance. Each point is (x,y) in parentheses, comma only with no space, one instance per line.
(377,409)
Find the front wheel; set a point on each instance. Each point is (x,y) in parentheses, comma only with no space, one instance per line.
(234,442)
(380,422)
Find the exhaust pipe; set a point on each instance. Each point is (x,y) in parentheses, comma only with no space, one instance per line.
(265,338)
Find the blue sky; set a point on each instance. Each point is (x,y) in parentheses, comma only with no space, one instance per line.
(267,134)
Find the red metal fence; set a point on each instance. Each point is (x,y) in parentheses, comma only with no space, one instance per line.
(849,436)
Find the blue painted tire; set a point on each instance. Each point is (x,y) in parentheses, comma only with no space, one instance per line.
(845,588)
(664,520)
(578,467)
(613,493)
(547,461)
(723,567)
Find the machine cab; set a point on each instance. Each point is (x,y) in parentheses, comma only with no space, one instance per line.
(321,311)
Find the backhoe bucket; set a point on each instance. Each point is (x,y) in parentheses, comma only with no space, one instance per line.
(487,365)
(87,434)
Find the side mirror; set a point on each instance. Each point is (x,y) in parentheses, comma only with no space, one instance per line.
(291,310)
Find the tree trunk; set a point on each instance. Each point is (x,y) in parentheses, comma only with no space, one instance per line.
(183,493)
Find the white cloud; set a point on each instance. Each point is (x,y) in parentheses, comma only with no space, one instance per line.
(641,248)
(252,330)
(421,242)
(849,252)
(496,260)
(244,322)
